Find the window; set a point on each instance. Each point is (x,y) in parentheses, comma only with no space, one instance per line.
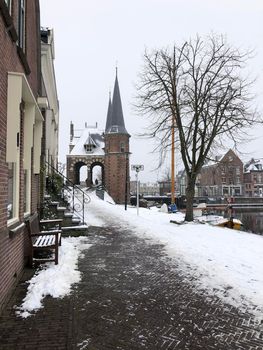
(89,148)
(26,191)
(237,191)
(225,191)
(11,191)
(8,4)
(21,24)
(237,171)
(114,128)
(122,147)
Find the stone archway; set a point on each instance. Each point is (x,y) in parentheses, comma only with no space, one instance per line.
(74,163)
(91,172)
(77,167)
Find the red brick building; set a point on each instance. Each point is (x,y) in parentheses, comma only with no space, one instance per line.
(117,178)
(253,179)
(20,133)
(224,177)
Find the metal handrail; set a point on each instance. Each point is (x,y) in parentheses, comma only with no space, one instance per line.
(77,203)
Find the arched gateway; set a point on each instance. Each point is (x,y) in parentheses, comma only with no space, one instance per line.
(109,150)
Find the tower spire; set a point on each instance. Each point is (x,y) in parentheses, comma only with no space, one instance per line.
(108,121)
(115,121)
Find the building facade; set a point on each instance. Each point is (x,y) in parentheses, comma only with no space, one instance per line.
(108,149)
(145,188)
(21,126)
(222,178)
(253,178)
(48,101)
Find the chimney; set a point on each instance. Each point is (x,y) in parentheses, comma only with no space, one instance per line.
(71,131)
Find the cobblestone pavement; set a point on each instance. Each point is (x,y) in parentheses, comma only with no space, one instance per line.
(132,296)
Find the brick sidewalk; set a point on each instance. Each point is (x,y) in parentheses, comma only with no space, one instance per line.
(132,296)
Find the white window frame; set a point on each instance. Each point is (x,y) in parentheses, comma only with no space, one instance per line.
(15,189)
(21,23)
(19,90)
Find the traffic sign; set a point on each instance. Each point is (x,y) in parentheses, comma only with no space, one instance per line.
(137,168)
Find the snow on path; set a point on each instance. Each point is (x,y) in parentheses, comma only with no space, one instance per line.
(65,274)
(226,262)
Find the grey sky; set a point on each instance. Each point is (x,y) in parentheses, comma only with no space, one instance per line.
(93,35)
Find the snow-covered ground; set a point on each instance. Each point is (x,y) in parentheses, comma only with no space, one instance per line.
(65,274)
(223,261)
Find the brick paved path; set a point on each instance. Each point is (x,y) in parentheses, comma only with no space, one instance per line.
(132,296)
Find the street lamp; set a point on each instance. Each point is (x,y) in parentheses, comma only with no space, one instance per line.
(126,179)
(137,168)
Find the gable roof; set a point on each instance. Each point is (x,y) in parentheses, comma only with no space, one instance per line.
(88,136)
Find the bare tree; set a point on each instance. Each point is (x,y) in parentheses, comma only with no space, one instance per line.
(202,85)
(166,176)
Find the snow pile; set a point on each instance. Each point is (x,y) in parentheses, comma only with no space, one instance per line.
(108,198)
(225,262)
(54,280)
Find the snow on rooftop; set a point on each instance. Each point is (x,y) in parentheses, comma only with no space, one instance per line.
(254,167)
(86,135)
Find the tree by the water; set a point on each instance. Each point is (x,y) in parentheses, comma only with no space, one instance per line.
(204,85)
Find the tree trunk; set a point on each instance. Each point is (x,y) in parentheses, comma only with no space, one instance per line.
(190,192)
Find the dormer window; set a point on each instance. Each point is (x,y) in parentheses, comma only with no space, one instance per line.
(89,144)
(114,128)
(89,148)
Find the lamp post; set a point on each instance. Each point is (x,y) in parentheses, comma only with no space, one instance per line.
(137,168)
(126,179)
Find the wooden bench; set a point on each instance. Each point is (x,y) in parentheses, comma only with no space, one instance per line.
(48,240)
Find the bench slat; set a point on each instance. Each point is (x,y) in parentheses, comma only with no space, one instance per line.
(42,239)
(46,240)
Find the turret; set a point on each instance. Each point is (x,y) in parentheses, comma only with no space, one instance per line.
(116,149)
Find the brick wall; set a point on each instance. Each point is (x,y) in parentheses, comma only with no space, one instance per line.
(13,243)
(116,165)
(224,169)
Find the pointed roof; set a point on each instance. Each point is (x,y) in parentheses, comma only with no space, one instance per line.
(90,141)
(115,120)
(108,121)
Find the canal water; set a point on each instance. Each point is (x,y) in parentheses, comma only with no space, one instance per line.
(252,219)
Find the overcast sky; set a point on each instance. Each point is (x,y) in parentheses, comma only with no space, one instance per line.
(92,36)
